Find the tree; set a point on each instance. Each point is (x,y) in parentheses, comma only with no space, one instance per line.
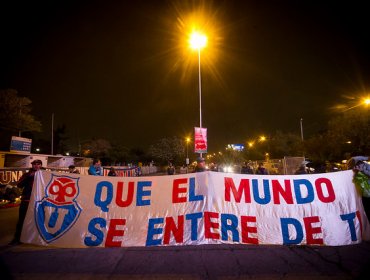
(96,148)
(60,139)
(118,154)
(285,144)
(15,113)
(350,132)
(168,149)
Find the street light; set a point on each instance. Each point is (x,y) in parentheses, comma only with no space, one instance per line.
(187,150)
(197,42)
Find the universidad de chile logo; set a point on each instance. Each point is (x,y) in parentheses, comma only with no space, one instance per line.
(58,210)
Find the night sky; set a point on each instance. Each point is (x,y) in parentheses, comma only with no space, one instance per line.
(121,70)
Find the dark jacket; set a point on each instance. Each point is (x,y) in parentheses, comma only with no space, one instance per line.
(26,183)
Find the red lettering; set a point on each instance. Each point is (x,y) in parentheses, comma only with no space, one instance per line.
(177,190)
(208,225)
(244,220)
(130,194)
(113,232)
(243,188)
(177,231)
(310,230)
(329,187)
(278,191)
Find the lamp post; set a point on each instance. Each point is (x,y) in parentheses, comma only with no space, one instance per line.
(187,150)
(197,42)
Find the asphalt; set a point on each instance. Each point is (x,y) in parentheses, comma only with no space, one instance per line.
(183,262)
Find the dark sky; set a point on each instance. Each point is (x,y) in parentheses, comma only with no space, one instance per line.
(118,70)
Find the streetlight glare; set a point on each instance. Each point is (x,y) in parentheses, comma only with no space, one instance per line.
(367,101)
(197,40)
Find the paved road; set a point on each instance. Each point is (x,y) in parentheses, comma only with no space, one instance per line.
(183,262)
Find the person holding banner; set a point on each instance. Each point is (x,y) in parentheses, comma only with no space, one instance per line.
(361,171)
(25,183)
(95,169)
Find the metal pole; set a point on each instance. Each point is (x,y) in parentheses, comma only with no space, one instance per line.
(187,150)
(302,129)
(200,95)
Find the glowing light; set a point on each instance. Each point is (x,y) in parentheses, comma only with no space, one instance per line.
(262,138)
(197,40)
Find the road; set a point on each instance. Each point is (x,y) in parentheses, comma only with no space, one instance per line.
(182,262)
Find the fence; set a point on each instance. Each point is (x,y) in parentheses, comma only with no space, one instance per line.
(11,175)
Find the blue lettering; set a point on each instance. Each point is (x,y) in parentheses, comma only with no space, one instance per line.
(141,192)
(298,193)
(225,227)
(99,235)
(103,204)
(350,219)
(150,241)
(192,196)
(285,222)
(266,190)
(194,217)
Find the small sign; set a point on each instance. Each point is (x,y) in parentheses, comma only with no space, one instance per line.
(200,140)
(20,145)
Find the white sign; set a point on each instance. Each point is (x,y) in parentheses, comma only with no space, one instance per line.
(76,211)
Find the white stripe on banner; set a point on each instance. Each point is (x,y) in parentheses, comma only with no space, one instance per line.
(76,211)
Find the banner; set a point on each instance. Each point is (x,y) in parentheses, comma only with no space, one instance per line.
(200,140)
(76,211)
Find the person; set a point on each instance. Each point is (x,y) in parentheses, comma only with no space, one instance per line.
(95,169)
(112,172)
(73,169)
(358,163)
(170,169)
(183,169)
(25,183)
(201,165)
(213,167)
(301,169)
(246,169)
(261,170)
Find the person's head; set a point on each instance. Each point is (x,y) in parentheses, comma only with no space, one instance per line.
(36,164)
(351,163)
(96,162)
(201,161)
(112,169)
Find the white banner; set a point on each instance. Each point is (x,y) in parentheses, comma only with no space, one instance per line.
(71,210)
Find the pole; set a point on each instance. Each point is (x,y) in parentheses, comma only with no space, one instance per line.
(200,94)
(302,129)
(187,150)
(52,133)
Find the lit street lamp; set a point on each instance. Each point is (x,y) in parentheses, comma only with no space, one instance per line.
(197,42)
(187,150)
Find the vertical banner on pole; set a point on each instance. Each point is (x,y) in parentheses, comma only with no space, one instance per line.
(200,140)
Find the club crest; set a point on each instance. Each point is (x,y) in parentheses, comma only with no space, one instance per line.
(58,210)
